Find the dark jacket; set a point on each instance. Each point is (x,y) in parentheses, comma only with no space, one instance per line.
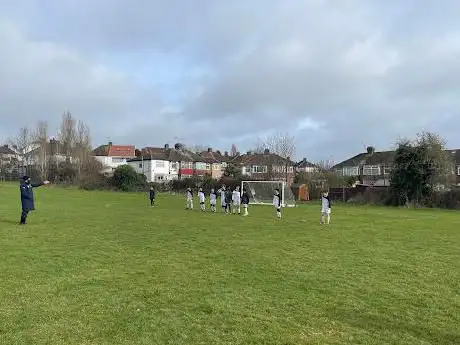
(152,194)
(27,196)
(228,196)
(245,198)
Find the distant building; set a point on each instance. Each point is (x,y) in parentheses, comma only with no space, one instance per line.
(112,156)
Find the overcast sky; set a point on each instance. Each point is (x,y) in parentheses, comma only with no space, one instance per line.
(338,74)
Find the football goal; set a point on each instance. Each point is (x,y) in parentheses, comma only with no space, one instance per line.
(261,192)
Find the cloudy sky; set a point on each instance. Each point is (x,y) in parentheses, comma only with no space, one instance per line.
(338,74)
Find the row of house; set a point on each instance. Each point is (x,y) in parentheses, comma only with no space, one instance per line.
(167,163)
(374,167)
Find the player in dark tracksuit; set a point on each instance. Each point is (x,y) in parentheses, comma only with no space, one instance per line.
(245,202)
(152,196)
(27,197)
(228,200)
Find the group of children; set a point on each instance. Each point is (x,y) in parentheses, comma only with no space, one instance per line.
(231,200)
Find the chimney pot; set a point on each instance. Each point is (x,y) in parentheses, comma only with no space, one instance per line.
(209,149)
(267,151)
(166,146)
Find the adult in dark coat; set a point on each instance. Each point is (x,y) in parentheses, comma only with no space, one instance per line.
(152,196)
(27,197)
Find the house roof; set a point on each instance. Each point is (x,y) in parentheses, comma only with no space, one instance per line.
(211,156)
(380,157)
(115,150)
(305,164)
(5,150)
(168,154)
(262,159)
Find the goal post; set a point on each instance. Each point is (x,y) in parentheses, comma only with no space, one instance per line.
(261,192)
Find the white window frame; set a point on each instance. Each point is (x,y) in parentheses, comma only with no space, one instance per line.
(208,166)
(255,169)
(116,160)
(350,171)
(159,164)
(458,170)
(386,171)
(140,165)
(371,169)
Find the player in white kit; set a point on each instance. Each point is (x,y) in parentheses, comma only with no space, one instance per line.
(236,201)
(277,202)
(202,199)
(325,208)
(222,198)
(213,200)
(189,197)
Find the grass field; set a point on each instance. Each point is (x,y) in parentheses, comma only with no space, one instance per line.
(103,268)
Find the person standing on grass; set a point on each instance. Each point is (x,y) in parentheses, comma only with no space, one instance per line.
(228,200)
(277,202)
(222,198)
(325,208)
(213,200)
(236,200)
(27,197)
(245,202)
(189,197)
(202,199)
(152,196)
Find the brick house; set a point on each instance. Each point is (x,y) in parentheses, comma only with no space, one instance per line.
(265,166)
(374,167)
(304,166)
(216,162)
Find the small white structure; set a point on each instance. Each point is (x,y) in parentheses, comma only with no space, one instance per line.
(155,169)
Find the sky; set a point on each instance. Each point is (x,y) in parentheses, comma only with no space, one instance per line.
(338,75)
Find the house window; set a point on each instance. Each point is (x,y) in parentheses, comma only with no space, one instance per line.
(259,169)
(371,170)
(186,165)
(160,164)
(290,169)
(140,165)
(350,171)
(458,170)
(118,160)
(387,171)
(224,165)
(173,165)
(208,166)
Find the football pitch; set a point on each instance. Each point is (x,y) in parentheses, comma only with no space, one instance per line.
(104,268)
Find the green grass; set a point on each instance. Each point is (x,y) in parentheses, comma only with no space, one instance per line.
(103,268)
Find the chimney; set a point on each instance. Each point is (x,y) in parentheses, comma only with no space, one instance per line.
(226,153)
(209,149)
(110,143)
(178,146)
(218,152)
(249,153)
(166,146)
(370,150)
(266,151)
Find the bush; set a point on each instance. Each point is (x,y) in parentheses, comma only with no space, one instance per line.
(126,179)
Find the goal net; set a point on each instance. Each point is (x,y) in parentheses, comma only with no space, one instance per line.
(262,192)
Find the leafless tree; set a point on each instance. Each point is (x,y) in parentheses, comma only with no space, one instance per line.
(42,153)
(67,135)
(22,145)
(82,146)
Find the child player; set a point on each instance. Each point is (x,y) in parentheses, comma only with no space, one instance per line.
(189,199)
(236,200)
(325,208)
(202,199)
(277,202)
(228,200)
(213,200)
(152,196)
(222,198)
(245,202)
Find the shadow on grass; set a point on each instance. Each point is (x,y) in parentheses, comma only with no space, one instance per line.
(8,221)
(385,323)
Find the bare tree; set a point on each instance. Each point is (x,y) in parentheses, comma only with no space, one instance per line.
(22,145)
(82,147)
(67,135)
(42,153)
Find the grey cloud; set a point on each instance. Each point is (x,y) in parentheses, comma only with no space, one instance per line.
(370,72)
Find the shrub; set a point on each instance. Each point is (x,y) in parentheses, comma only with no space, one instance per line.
(126,179)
